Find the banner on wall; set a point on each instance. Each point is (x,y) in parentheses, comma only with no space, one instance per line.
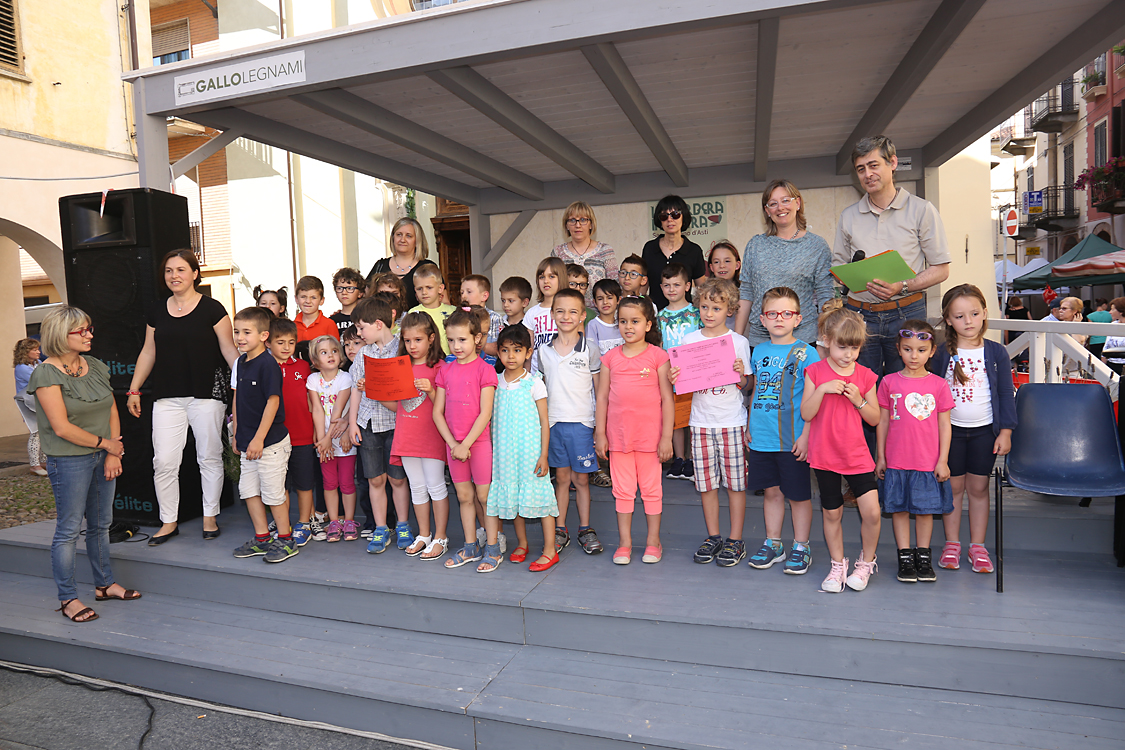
(708,221)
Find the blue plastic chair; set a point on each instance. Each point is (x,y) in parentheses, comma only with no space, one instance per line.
(1066,444)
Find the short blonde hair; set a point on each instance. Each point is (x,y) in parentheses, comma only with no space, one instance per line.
(56,327)
(719,290)
(791,189)
(421,244)
(580,209)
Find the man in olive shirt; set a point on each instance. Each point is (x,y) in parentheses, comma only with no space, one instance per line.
(889,218)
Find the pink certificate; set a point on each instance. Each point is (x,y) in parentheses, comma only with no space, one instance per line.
(704,365)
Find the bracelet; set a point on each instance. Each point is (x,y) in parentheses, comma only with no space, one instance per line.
(862,404)
(99,443)
(132,393)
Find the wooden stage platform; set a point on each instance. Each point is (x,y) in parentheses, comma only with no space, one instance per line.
(593,655)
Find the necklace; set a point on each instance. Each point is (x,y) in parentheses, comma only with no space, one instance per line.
(795,233)
(589,245)
(180,305)
(668,245)
(883,208)
(401,271)
(77,369)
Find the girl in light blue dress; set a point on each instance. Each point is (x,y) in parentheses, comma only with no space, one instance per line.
(520,433)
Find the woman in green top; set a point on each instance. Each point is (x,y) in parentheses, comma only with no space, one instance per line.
(80,433)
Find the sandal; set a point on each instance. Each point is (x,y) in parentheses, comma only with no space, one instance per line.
(427,553)
(519,554)
(80,613)
(101,594)
(600,479)
(419,545)
(491,560)
(468,554)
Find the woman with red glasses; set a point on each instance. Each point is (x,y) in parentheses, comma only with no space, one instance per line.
(80,432)
(672,216)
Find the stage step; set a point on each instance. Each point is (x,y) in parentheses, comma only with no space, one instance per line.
(461,692)
(1054,635)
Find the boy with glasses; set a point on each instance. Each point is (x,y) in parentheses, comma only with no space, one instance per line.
(633,276)
(348,284)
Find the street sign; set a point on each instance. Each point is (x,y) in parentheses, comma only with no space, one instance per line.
(1034,201)
(1011,222)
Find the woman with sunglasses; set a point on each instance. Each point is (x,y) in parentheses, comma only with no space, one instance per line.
(581,248)
(785,255)
(80,432)
(672,216)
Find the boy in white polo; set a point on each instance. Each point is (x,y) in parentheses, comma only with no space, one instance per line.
(570,367)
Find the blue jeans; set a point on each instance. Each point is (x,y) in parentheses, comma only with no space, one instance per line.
(880,350)
(81,490)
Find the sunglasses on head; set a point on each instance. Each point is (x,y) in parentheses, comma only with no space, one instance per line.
(665,215)
(906,333)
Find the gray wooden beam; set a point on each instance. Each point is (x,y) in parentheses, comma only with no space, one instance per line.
(615,74)
(768,29)
(303,142)
(204,152)
(729,179)
(522,220)
(489,100)
(948,21)
(1094,36)
(372,118)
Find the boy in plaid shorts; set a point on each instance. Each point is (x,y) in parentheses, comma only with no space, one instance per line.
(779,444)
(718,427)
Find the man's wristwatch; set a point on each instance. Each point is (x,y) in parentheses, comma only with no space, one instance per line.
(905,288)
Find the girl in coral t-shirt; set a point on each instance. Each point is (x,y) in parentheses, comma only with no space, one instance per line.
(839,397)
(634,376)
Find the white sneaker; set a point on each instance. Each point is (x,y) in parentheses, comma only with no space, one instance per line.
(503,540)
(857,581)
(834,583)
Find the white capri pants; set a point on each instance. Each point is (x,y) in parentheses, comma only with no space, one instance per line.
(427,479)
(171,418)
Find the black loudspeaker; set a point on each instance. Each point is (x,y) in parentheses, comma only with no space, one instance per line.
(112,254)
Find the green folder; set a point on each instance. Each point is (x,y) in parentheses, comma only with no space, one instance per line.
(888,267)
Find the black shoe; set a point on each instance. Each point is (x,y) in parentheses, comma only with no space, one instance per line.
(212,534)
(924,563)
(156,541)
(675,469)
(907,573)
(732,553)
(707,551)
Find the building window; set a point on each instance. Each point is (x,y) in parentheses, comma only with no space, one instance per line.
(1100,157)
(1068,164)
(11,54)
(1031,178)
(171,42)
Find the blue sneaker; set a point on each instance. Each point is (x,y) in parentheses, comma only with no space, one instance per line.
(302,533)
(379,540)
(799,560)
(403,535)
(767,555)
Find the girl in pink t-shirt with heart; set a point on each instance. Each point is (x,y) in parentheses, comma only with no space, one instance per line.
(913,449)
(634,376)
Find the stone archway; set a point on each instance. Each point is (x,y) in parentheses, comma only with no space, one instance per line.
(46,253)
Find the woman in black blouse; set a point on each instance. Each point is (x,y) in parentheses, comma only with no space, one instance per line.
(188,350)
(672,215)
(409,250)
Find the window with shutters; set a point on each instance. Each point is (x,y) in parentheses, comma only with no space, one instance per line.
(171,42)
(11,53)
(1100,150)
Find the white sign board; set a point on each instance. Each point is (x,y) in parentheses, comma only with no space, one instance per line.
(242,78)
(905,164)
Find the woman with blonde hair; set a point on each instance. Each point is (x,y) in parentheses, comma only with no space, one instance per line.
(409,250)
(80,431)
(582,248)
(788,255)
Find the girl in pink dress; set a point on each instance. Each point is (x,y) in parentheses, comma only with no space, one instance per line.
(839,397)
(634,376)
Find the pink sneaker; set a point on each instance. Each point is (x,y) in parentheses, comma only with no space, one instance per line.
(950,556)
(351,531)
(978,555)
(857,581)
(834,583)
(334,531)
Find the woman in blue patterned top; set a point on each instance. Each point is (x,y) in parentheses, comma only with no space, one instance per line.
(786,255)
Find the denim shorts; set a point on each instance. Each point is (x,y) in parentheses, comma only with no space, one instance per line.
(375,453)
(572,445)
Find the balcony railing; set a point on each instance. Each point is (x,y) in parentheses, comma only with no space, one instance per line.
(1051,112)
(196,230)
(1095,73)
(1058,203)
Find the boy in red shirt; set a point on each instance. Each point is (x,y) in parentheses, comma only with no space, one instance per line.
(298,401)
(311,322)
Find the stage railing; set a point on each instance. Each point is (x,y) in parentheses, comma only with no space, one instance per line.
(1047,342)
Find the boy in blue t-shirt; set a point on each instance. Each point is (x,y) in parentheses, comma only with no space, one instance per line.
(261,438)
(779,443)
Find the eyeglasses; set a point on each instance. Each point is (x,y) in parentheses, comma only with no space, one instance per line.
(783,314)
(920,335)
(630,274)
(579,285)
(786,202)
(665,215)
(87,331)
(346,289)
(580,221)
